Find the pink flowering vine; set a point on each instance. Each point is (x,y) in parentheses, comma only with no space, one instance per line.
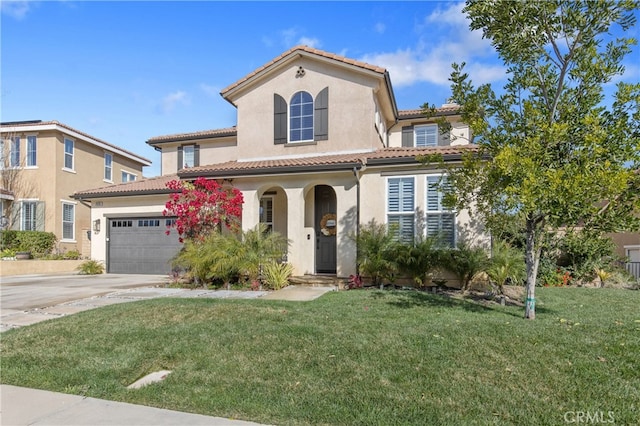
(202,207)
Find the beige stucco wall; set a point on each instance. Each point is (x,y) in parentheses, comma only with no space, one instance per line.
(351,111)
(212,151)
(50,182)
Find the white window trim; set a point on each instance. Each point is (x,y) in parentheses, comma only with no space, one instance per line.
(26,152)
(401,213)
(27,200)
(441,210)
(422,126)
(105,168)
(135,175)
(64,155)
(75,204)
(184,157)
(313,120)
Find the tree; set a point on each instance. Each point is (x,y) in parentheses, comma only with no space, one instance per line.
(202,207)
(561,153)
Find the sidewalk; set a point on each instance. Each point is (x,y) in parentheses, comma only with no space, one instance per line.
(31,407)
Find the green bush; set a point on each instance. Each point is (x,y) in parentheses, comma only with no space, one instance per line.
(38,243)
(418,259)
(91,267)
(583,253)
(376,247)
(72,255)
(7,253)
(506,265)
(465,262)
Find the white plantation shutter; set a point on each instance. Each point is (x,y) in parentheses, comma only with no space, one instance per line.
(440,222)
(400,206)
(426,135)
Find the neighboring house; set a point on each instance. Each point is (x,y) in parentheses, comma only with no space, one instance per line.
(319,147)
(628,247)
(43,164)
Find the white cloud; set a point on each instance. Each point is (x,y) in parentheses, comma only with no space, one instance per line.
(311,42)
(212,91)
(380,28)
(445,38)
(16,9)
(170,101)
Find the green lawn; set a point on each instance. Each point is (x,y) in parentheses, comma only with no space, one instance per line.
(354,357)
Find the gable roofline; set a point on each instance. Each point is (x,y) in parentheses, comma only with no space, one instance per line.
(324,163)
(39,125)
(148,186)
(306,51)
(202,134)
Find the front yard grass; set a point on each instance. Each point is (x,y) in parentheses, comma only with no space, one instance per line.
(354,357)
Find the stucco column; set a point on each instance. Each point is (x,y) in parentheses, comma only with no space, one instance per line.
(301,250)
(250,209)
(346,200)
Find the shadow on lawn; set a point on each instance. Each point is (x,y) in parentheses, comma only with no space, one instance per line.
(412,299)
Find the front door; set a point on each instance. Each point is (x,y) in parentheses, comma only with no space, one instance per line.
(326,223)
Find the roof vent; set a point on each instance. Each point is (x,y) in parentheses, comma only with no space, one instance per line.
(300,72)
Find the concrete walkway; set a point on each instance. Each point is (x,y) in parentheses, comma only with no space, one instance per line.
(31,407)
(21,406)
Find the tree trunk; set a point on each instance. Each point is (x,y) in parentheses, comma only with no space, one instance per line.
(532,258)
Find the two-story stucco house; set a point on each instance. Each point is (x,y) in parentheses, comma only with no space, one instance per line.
(43,163)
(319,147)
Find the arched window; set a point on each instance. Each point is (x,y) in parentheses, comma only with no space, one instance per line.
(301,117)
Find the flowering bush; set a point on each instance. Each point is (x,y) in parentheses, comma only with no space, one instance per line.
(202,206)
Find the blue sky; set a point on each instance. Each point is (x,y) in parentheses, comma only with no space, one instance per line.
(128,71)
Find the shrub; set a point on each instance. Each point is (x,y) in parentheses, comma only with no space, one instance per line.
(376,246)
(416,260)
(506,264)
(38,243)
(465,262)
(72,255)
(7,253)
(91,267)
(276,275)
(583,253)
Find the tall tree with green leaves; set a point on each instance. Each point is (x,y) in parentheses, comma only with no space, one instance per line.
(560,153)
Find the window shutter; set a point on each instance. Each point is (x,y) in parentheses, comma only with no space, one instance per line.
(444,139)
(180,161)
(279,120)
(407,136)
(196,155)
(321,116)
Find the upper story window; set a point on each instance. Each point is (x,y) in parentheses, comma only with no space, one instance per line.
(128,177)
(301,118)
(108,167)
(14,152)
(188,156)
(68,154)
(32,151)
(426,135)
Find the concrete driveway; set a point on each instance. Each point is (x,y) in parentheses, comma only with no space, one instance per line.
(26,292)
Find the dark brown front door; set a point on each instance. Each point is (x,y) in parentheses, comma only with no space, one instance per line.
(325,224)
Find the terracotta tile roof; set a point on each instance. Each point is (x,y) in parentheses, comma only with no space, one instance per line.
(321,162)
(155,185)
(19,124)
(202,134)
(417,113)
(306,49)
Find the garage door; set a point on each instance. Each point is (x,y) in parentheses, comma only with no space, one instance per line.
(141,246)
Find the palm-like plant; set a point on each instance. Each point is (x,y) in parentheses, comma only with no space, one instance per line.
(465,262)
(507,264)
(375,252)
(417,259)
(259,247)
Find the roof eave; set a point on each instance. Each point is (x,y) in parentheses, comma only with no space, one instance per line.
(121,194)
(280,170)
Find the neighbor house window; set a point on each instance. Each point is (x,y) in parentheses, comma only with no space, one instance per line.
(400,207)
(301,117)
(441,221)
(188,156)
(68,221)
(14,152)
(32,149)
(266,212)
(426,135)
(108,167)
(128,177)
(68,154)
(28,216)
